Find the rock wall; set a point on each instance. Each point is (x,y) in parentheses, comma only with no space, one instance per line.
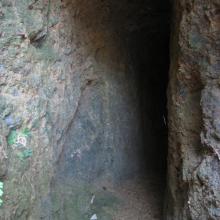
(68,108)
(194,94)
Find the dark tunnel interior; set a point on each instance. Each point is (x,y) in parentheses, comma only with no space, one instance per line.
(149,50)
(129,162)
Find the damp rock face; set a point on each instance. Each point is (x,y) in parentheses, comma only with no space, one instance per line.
(68,109)
(70,118)
(194,165)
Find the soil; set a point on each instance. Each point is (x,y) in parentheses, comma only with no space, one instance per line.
(142,199)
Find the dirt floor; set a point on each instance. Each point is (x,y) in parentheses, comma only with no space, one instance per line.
(141,199)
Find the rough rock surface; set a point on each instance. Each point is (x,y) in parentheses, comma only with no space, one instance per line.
(194,105)
(69,116)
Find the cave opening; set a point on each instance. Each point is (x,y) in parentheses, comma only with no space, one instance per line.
(112,161)
(149,51)
(149,45)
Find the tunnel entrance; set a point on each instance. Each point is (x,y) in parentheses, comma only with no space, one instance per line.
(111,163)
(148,48)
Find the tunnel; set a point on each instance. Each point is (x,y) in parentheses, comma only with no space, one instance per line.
(109,109)
(112,159)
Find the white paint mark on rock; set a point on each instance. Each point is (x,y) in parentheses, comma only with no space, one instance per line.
(21,140)
(92,200)
(94,217)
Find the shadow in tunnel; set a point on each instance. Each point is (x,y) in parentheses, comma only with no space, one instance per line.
(117,143)
(148,46)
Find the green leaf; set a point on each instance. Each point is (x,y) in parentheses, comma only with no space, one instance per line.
(26,132)
(1,192)
(12,137)
(1,185)
(25,154)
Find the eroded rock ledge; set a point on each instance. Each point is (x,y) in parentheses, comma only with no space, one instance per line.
(193,175)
